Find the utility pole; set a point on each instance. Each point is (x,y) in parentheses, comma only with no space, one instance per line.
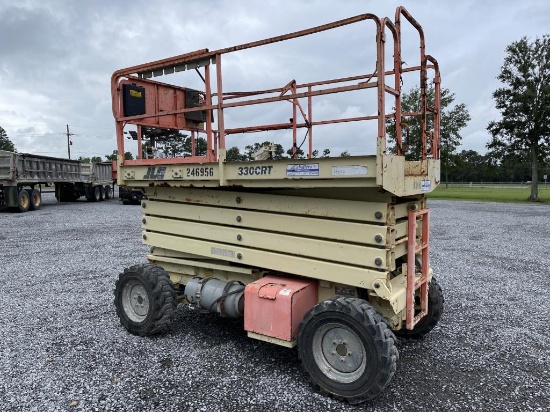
(69,143)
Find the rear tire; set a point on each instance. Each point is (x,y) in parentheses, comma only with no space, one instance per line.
(96,194)
(108,192)
(347,349)
(436,303)
(35,199)
(145,299)
(101,193)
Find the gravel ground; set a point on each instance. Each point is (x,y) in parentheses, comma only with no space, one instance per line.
(63,348)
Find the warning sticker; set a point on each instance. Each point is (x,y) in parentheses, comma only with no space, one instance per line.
(352,170)
(135,93)
(304,169)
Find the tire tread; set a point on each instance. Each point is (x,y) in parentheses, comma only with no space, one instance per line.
(376,327)
(164,299)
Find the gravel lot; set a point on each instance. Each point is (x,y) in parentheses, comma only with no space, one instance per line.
(62,344)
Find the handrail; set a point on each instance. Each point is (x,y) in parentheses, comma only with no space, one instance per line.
(217,100)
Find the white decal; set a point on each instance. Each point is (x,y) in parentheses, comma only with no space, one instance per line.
(426,185)
(355,170)
(304,169)
(222,252)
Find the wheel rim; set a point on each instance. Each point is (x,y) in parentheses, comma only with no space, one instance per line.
(339,353)
(135,301)
(24,201)
(36,199)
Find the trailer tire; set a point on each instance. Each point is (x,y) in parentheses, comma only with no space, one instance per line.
(436,303)
(108,192)
(35,199)
(347,349)
(101,193)
(23,202)
(145,299)
(96,194)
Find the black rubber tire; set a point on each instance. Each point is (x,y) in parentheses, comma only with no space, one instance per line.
(145,299)
(436,303)
(108,192)
(36,199)
(23,202)
(355,328)
(96,194)
(101,193)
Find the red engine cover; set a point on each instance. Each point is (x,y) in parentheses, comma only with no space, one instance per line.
(274,306)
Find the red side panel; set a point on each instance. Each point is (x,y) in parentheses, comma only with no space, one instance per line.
(274,306)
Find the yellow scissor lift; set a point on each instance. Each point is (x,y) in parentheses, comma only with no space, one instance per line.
(329,254)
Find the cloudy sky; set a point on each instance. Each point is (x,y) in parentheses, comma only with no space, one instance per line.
(57,56)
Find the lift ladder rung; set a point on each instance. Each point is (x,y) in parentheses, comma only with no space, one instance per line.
(413,282)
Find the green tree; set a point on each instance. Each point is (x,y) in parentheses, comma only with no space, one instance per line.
(5,142)
(453,119)
(233,154)
(168,141)
(93,159)
(201,146)
(524,103)
(326,153)
(466,166)
(299,153)
(127,156)
(173,143)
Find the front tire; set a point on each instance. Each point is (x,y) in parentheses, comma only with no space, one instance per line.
(145,299)
(436,303)
(347,349)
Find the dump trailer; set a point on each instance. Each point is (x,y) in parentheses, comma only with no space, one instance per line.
(23,175)
(327,254)
(127,195)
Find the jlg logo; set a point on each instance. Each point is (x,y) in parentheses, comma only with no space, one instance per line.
(155,173)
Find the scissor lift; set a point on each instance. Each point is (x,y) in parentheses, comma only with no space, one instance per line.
(329,254)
